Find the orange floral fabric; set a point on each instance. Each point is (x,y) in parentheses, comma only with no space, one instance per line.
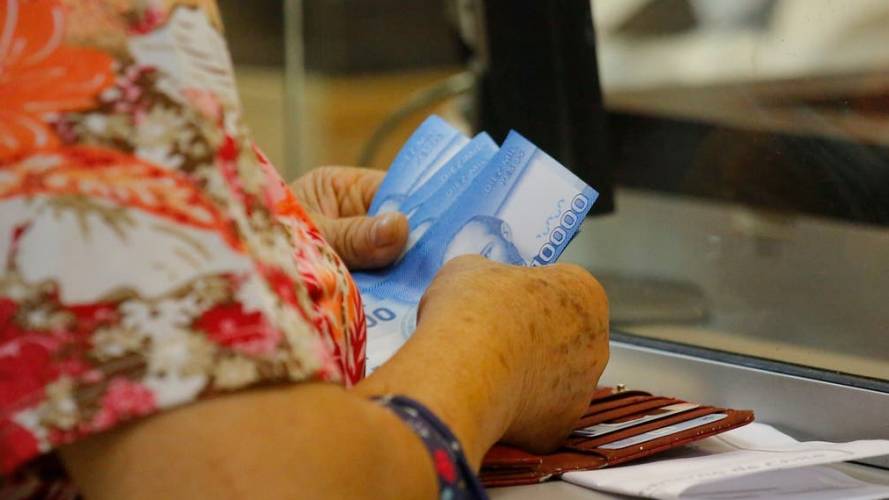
(150,256)
(40,75)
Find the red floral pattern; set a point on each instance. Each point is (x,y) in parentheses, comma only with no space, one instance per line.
(149,254)
(123,399)
(16,442)
(230,326)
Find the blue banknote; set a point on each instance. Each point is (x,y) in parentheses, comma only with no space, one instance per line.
(427,150)
(427,202)
(522,208)
(453,176)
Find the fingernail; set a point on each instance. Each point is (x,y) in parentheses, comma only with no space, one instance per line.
(385,231)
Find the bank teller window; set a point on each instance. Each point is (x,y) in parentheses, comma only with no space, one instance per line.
(752,141)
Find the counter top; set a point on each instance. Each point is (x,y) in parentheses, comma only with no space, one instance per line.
(558,490)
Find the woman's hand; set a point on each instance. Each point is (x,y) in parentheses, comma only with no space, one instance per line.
(553,335)
(517,352)
(337,199)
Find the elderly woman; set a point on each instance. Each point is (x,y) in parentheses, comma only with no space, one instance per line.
(176,322)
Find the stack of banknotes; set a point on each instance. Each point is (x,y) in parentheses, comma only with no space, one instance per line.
(513,204)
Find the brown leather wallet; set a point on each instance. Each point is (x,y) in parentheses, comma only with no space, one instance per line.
(618,427)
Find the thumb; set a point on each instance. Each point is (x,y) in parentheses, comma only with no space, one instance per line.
(365,242)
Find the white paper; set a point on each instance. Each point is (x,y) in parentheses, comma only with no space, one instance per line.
(755,448)
(807,483)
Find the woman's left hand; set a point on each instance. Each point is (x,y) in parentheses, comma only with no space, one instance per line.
(337,199)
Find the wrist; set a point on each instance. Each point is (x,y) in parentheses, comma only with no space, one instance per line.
(456,477)
(462,373)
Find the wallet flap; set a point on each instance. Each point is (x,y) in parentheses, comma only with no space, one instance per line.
(502,455)
(551,465)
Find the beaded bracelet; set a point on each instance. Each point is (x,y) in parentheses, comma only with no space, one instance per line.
(456,479)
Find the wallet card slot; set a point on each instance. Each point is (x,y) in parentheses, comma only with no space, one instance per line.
(634,420)
(615,396)
(663,432)
(593,444)
(643,406)
(612,404)
(716,422)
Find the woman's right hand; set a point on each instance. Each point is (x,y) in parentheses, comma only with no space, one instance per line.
(546,326)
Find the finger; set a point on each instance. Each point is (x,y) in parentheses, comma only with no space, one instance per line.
(338,191)
(366,242)
(365,184)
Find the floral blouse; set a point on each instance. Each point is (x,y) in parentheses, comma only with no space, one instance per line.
(149,254)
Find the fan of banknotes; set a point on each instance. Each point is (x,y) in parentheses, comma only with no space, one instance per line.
(512,204)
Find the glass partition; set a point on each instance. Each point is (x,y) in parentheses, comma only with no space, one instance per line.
(754,171)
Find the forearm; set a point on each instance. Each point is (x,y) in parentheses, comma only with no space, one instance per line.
(313,440)
(304,441)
